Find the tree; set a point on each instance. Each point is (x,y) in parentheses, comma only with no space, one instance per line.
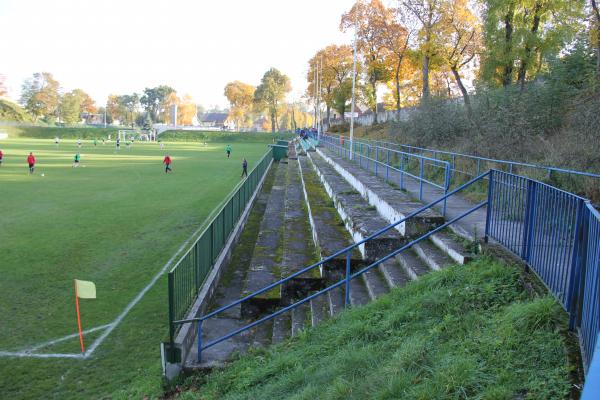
(186,110)
(341,94)
(272,90)
(241,97)
(40,95)
(596,32)
(131,104)
(369,20)
(154,100)
(429,13)
(88,105)
(71,108)
(461,43)
(396,40)
(525,34)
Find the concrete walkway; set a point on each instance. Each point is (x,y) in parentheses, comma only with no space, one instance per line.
(471,227)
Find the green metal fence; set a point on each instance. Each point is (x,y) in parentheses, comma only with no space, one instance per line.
(188,275)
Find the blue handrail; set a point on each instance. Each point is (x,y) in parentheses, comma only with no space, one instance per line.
(352,154)
(478,159)
(347,250)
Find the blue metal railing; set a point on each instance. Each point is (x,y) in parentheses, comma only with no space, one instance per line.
(477,163)
(369,157)
(347,251)
(558,235)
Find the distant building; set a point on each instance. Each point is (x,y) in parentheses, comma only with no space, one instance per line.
(217,120)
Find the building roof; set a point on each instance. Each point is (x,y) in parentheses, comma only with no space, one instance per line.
(215,117)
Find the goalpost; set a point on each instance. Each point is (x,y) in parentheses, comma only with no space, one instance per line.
(124,134)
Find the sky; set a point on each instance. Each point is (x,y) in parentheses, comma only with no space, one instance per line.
(195,46)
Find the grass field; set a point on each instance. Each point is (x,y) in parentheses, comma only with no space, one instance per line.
(465,332)
(115,220)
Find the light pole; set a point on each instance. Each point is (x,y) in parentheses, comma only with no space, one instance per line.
(352,106)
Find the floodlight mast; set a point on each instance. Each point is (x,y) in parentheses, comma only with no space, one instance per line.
(353,86)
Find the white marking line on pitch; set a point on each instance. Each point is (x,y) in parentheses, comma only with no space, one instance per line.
(64,338)
(111,326)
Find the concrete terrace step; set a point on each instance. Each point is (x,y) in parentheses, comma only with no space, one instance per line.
(360,219)
(336,301)
(328,230)
(299,249)
(412,264)
(451,247)
(319,309)
(391,203)
(282,327)
(359,295)
(300,317)
(435,258)
(393,273)
(265,264)
(375,283)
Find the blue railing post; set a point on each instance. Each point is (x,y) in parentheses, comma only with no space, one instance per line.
(478,165)
(347,298)
(387,166)
(529,226)
(446,187)
(578,264)
(401,171)
(199,333)
(490,205)
(376,159)
(420,179)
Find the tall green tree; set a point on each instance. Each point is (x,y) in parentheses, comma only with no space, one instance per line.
(522,35)
(271,92)
(40,95)
(596,31)
(70,108)
(154,99)
(369,20)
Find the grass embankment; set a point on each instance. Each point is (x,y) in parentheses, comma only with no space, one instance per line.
(222,136)
(115,222)
(464,332)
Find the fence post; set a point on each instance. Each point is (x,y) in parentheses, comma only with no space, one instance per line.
(171,285)
(529,228)
(347,299)
(401,171)
(489,206)
(199,341)
(387,166)
(578,266)
(421,179)
(376,159)
(446,187)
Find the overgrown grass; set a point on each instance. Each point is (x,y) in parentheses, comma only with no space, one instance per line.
(464,332)
(116,222)
(218,136)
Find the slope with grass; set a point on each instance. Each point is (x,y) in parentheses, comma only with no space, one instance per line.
(464,332)
(115,220)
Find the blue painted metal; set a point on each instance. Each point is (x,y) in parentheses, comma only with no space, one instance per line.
(368,163)
(558,235)
(591,390)
(510,165)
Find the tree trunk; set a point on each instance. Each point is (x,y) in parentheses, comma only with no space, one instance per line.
(374,86)
(273,122)
(528,49)
(397,80)
(328,115)
(426,77)
(508,67)
(464,92)
(597,13)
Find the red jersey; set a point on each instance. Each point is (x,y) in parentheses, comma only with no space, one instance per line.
(1,154)
(167,160)
(31,159)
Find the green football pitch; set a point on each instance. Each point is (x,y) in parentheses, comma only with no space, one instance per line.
(115,220)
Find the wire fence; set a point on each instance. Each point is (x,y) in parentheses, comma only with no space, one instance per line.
(558,235)
(187,276)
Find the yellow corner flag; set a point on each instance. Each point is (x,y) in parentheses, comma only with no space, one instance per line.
(85,289)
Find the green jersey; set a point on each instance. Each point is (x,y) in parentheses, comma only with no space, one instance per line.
(228,148)
(77,157)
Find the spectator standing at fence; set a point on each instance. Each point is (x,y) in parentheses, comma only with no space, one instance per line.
(31,162)
(167,161)
(244,168)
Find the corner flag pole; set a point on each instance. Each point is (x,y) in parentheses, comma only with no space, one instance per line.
(78,317)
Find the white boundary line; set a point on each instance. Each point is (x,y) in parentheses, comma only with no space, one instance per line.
(111,326)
